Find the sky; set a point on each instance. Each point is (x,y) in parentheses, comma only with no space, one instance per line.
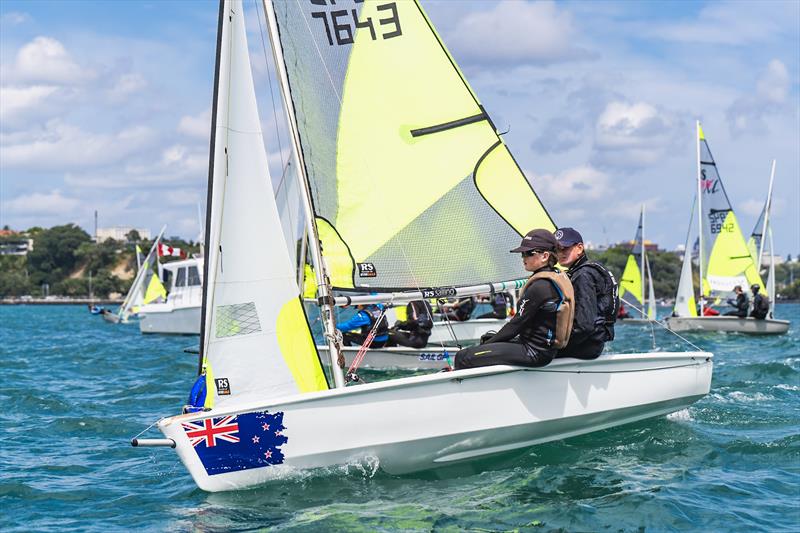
(106,106)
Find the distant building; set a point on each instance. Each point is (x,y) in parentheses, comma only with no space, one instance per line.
(20,245)
(650,246)
(765,260)
(589,245)
(120,233)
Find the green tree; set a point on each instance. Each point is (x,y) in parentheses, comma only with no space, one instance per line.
(54,253)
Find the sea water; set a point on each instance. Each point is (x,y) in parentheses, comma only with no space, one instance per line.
(75,389)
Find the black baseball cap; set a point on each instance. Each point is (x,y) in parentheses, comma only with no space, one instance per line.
(537,239)
(567,237)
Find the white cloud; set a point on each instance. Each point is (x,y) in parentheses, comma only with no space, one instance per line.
(127,85)
(41,204)
(579,183)
(15,18)
(60,146)
(558,135)
(45,60)
(632,135)
(198,126)
(520,33)
(748,113)
(17,101)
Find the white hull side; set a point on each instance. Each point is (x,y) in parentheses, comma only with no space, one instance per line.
(431,357)
(467,332)
(180,321)
(425,422)
(728,324)
(633,321)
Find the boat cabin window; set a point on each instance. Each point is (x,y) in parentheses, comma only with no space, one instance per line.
(194,277)
(180,277)
(166,278)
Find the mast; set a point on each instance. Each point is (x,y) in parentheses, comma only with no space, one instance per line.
(641,268)
(766,219)
(207,293)
(324,293)
(700,216)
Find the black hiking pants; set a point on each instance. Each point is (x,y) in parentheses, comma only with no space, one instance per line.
(501,353)
(410,340)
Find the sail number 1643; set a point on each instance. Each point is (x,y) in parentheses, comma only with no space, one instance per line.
(339,23)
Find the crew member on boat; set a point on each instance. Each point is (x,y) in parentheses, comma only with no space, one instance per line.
(356,330)
(416,329)
(499,302)
(596,302)
(459,311)
(529,338)
(760,303)
(740,305)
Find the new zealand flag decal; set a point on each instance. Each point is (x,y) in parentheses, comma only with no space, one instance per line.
(238,442)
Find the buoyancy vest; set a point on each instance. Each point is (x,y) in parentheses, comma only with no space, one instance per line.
(565,310)
(374,313)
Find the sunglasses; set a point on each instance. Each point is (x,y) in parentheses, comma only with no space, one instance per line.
(530,253)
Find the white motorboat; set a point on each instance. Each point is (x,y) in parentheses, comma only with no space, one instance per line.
(180,313)
(728,324)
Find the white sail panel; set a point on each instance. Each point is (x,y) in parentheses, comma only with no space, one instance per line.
(685,304)
(651,292)
(257,344)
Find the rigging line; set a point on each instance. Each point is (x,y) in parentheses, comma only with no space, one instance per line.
(319,53)
(269,80)
(684,339)
(416,283)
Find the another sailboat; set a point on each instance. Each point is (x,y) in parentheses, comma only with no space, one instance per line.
(632,284)
(725,259)
(136,296)
(378,112)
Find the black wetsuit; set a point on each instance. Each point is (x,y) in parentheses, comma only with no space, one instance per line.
(415,331)
(591,328)
(527,339)
(760,307)
(740,306)
(463,311)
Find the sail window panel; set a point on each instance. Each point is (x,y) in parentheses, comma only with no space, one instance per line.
(240,319)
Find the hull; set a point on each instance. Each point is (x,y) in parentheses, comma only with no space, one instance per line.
(467,332)
(180,321)
(730,324)
(433,357)
(111,317)
(634,321)
(403,427)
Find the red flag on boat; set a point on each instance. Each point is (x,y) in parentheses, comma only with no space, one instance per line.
(166,250)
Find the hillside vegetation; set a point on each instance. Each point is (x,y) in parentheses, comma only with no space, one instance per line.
(62,259)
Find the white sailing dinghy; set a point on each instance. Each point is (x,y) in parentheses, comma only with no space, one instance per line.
(378,112)
(725,259)
(136,296)
(761,240)
(632,283)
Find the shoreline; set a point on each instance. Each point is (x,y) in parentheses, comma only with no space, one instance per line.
(59,301)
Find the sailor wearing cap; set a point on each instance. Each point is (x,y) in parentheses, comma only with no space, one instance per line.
(529,338)
(596,298)
(740,305)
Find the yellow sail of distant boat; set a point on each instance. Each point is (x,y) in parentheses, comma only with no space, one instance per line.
(726,257)
(155,290)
